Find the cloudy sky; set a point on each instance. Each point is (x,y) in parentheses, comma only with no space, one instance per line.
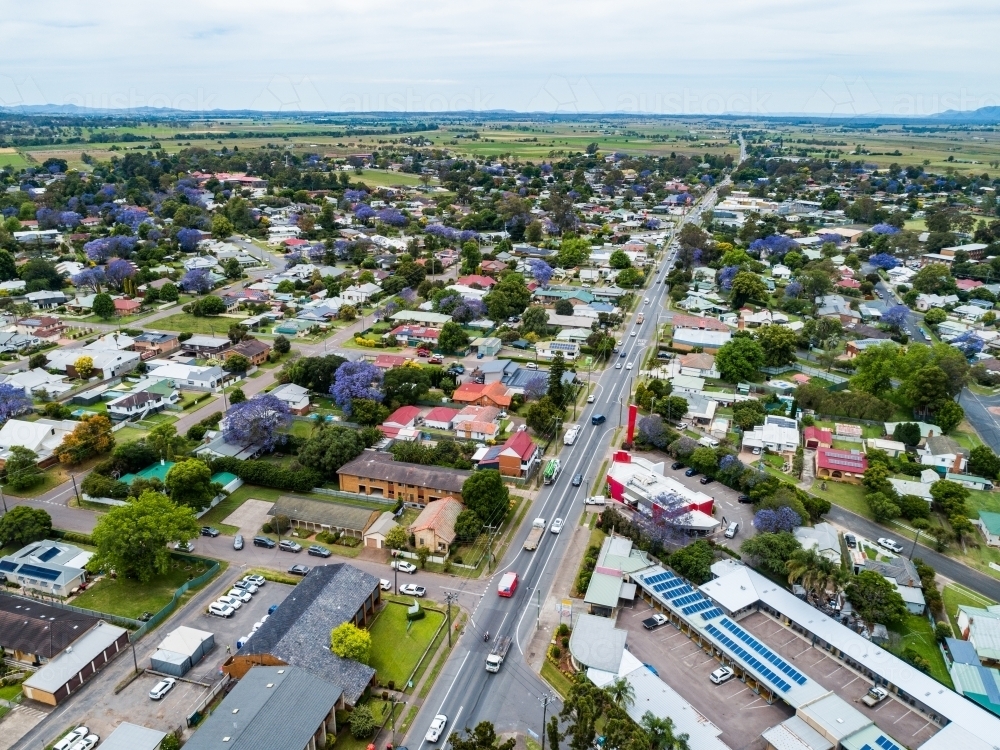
(657,56)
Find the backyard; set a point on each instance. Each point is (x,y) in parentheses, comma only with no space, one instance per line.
(917,633)
(398,644)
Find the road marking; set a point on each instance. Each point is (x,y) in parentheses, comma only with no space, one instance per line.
(802,652)
(921,729)
(834,672)
(445,699)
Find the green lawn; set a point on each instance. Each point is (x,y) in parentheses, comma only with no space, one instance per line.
(981,500)
(917,632)
(10,692)
(396,648)
(128,598)
(867,430)
(128,434)
(850,496)
(555,678)
(186,323)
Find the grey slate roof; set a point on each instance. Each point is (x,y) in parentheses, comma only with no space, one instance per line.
(279,708)
(298,632)
(382,466)
(323,512)
(901,570)
(38,628)
(133,737)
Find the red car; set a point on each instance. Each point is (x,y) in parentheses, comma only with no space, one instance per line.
(423,353)
(436,359)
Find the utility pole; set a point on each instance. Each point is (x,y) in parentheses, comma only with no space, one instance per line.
(395,573)
(914,547)
(449,598)
(489,546)
(538,608)
(75,490)
(545,700)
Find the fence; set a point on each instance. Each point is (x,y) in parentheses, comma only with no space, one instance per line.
(352,496)
(162,615)
(806,370)
(196,715)
(122,622)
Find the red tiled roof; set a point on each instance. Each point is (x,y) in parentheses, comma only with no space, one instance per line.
(440,414)
(127,304)
(521,444)
(388,361)
(483,281)
(838,460)
(693,321)
(294,242)
(818,434)
(468,392)
(403,416)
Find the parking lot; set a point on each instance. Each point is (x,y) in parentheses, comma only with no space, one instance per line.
(891,715)
(733,707)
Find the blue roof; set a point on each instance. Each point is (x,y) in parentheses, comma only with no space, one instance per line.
(961,651)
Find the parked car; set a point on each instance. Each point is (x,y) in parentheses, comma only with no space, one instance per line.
(890,544)
(436,728)
(435,359)
(720,675)
(161,688)
(316,551)
(233,601)
(531,366)
(403,567)
(677,465)
(66,742)
(850,541)
(242,594)
(591,398)
(411,589)
(238,542)
(272,609)
(187,547)
(263,541)
(385,584)
(457,368)
(245,585)
(691,472)
(423,352)
(298,570)
(744,499)
(577,480)
(287,545)
(595,500)
(732,530)
(557,525)
(255,579)
(706,480)
(86,743)
(209,531)
(221,609)
(755,451)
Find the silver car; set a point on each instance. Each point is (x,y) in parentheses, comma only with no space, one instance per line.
(436,728)
(161,688)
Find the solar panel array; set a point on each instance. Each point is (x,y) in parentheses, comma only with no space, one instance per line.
(677,592)
(651,579)
(664,588)
(764,651)
(750,659)
(687,599)
(712,613)
(883,742)
(847,460)
(34,571)
(48,554)
(698,607)
(7,566)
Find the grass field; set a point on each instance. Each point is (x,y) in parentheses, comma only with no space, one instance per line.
(850,496)
(917,633)
(396,648)
(185,323)
(10,692)
(128,598)
(560,682)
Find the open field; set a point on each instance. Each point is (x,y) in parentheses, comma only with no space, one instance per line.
(129,598)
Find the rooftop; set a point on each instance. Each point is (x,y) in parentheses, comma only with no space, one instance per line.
(382,466)
(34,627)
(322,512)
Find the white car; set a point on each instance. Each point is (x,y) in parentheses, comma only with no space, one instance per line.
(67,742)
(720,675)
(232,601)
(257,626)
(591,398)
(628,366)
(890,544)
(161,688)
(436,728)
(220,609)
(411,589)
(595,500)
(385,584)
(556,526)
(242,594)
(256,580)
(403,567)
(86,743)
(634,333)
(250,588)
(646,300)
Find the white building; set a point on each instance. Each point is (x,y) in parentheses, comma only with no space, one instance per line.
(779,434)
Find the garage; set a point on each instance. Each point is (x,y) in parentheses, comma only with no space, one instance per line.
(180,650)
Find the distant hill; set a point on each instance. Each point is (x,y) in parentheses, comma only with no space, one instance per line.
(983,114)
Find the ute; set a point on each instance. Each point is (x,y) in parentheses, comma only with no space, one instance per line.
(535,535)
(874,696)
(651,623)
(496,656)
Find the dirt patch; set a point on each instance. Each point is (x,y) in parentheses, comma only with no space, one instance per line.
(250,516)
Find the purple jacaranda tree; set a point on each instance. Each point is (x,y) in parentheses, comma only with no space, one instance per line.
(651,224)
(782,519)
(69,219)
(356,380)
(830,237)
(47,218)
(130,216)
(468,310)
(535,388)
(726,276)
(895,316)
(408,295)
(884,229)
(884,261)
(353,196)
(13,401)
(772,246)
(188,239)
(117,271)
(364,212)
(387,310)
(257,421)
(100,250)
(653,431)
(794,289)
(392,217)
(448,303)
(968,343)
(196,280)
(89,278)
(540,271)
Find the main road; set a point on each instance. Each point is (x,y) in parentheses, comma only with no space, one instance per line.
(465,692)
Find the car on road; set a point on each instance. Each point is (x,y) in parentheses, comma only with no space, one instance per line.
(242,594)
(651,623)
(677,465)
(628,366)
(890,544)
(316,551)
(634,333)
(209,531)
(287,545)
(403,567)
(161,688)
(706,480)
(744,499)
(423,352)
(618,366)
(86,743)
(732,529)
(850,541)
(66,742)
(233,601)
(598,418)
(595,500)
(436,728)
(722,674)
(298,570)
(577,480)
(411,589)
(646,301)
(622,354)
(591,398)
(556,526)
(385,584)
(435,359)
(692,472)
(531,366)
(238,542)
(263,541)
(457,368)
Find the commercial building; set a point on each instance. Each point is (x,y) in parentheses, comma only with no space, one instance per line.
(610,586)
(49,567)
(376,473)
(67,672)
(319,515)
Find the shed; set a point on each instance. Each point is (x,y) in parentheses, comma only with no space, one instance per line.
(181,649)
(67,673)
(133,737)
(376,533)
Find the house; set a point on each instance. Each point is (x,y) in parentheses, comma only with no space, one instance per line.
(255,350)
(317,515)
(518,455)
(111,342)
(837,307)
(477,280)
(136,406)
(823,538)
(903,575)
(206,346)
(477,430)
(699,365)
(388,361)
(15,342)
(926,301)
(440,418)
(45,300)
(38,381)
(295,396)
(125,307)
(944,454)
(548,349)
(361,293)
(981,628)
(926,430)
(989,526)
(691,332)
(34,633)
(67,672)
(609,588)
(434,528)
(43,436)
(404,418)
(106,364)
(187,377)
(816,437)
(376,473)
(265,698)
(843,466)
(51,568)
(970,482)
(43,327)
(854,348)
(155,344)
(779,434)
(415,336)
(374,535)
(490,394)
(487,346)
(892,448)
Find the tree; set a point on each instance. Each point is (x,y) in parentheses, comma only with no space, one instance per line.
(315,373)
(169,293)
(563,307)
(703,460)
(748,414)
(13,401)
(91,437)
(779,345)
(557,389)
(397,538)
(197,280)
(330,448)
(694,561)
(189,483)
(535,320)
(485,493)
(541,415)
(132,539)
(22,469)
(356,381)
(222,228)
(236,363)
(927,388)
(619,260)
(949,498)
(935,316)
(237,396)
(368,412)
(660,733)
(348,641)
(933,278)
(746,286)
(483,737)
(772,550)
(740,359)
(983,462)
(620,690)
(117,272)
(875,368)
(406,385)
(875,600)
(23,525)
(282,345)
(629,278)
(468,525)
(104,306)
(908,433)
(84,367)
(257,422)
(772,521)
(882,507)
(948,416)
(8,269)
(573,251)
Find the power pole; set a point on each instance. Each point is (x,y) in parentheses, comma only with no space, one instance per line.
(545,700)
(75,490)
(538,608)
(449,598)
(489,546)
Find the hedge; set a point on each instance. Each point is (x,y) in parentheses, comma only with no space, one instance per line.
(98,485)
(268,475)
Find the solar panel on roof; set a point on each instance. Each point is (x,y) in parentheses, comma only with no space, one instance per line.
(764,651)
(753,661)
(885,743)
(714,612)
(687,599)
(698,607)
(680,591)
(34,571)
(7,566)
(48,554)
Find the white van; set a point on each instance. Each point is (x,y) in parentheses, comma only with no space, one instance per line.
(708,442)
(732,529)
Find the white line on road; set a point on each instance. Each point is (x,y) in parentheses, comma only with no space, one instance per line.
(444,700)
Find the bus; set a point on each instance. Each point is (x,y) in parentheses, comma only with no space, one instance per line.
(507,585)
(551,471)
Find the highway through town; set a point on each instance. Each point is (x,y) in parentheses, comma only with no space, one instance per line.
(465,692)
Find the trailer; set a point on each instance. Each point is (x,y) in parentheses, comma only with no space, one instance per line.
(535,535)
(496,657)
(551,471)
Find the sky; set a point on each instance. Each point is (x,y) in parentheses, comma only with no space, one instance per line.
(850,57)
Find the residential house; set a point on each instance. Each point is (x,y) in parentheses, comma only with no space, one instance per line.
(38,381)
(440,418)
(944,454)
(699,365)
(477,430)
(970,482)
(187,377)
(823,538)
(434,528)
(43,436)
(489,394)
(361,293)
(903,575)
(44,327)
(926,301)
(404,418)
(45,300)
(15,342)
(989,525)
(376,473)
(13,287)
(892,448)
(836,307)
(374,535)
(477,280)
(206,346)
(981,627)
(106,364)
(548,349)
(388,361)
(841,465)
(255,350)
(294,396)
(708,334)
(138,405)
(111,342)
(409,335)
(816,437)
(854,348)
(125,307)
(34,633)
(155,344)
(779,434)
(518,455)
(49,567)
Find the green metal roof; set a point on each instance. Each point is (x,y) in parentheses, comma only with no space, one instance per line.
(603,590)
(991,521)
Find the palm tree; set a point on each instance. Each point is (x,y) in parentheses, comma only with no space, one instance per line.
(661,733)
(800,565)
(621,693)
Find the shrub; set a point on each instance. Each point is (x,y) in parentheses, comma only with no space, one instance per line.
(911,655)
(266,528)
(268,475)
(362,722)
(555,652)
(563,629)
(565,642)
(97,485)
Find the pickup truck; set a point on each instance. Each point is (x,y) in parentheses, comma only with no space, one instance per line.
(535,535)
(654,622)
(572,432)
(496,657)
(875,696)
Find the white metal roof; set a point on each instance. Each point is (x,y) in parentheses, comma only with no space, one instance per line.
(64,667)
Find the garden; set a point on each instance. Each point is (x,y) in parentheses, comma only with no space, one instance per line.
(398,644)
